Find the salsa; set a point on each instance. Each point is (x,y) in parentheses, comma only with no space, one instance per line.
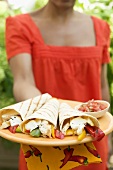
(92,106)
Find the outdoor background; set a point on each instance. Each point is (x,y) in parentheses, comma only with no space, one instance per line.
(100,8)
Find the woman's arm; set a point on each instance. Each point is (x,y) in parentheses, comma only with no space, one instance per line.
(106,96)
(104,84)
(24,85)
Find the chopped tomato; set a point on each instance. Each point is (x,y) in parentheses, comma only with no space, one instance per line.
(102,107)
(92,106)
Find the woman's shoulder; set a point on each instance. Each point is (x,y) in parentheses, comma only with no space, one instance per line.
(102,24)
(18,19)
(20,25)
(102,27)
(23,19)
(21,22)
(96,19)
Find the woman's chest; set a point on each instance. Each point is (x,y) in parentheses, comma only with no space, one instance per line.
(69,34)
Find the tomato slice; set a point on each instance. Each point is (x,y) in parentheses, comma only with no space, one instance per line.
(59,134)
(12,129)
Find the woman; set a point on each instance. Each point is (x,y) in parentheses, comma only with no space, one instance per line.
(62,52)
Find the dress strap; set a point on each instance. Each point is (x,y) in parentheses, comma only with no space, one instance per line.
(99,30)
(36,29)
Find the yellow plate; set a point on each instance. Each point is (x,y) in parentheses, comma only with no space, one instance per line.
(106,124)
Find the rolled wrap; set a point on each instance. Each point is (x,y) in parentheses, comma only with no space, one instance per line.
(22,109)
(68,116)
(48,113)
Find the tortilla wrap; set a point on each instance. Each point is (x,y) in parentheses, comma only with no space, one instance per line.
(22,109)
(48,112)
(67,114)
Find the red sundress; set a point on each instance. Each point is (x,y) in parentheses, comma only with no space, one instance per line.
(71,73)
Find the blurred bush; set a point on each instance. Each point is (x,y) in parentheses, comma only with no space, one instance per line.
(6,80)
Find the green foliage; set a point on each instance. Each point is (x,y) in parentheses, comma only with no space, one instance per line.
(6,80)
(39,3)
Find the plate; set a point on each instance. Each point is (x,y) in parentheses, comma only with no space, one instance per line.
(106,124)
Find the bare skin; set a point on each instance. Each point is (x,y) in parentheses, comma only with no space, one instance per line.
(24,84)
(65,29)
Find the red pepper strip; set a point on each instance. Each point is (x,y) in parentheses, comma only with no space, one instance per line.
(27,131)
(68,153)
(91,150)
(28,154)
(80,159)
(95,132)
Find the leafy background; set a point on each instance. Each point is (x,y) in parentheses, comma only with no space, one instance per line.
(102,9)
